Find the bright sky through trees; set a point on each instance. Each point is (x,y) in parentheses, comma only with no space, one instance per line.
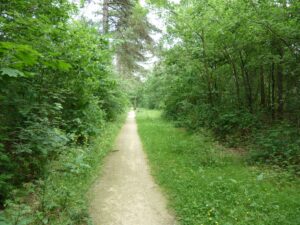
(92,11)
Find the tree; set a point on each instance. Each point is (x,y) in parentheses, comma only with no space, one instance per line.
(56,87)
(127,22)
(233,66)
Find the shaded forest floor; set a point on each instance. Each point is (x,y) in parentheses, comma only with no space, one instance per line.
(207,184)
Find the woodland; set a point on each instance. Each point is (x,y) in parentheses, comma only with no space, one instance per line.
(58,90)
(231,68)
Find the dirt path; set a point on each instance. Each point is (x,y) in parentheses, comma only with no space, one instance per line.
(126,194)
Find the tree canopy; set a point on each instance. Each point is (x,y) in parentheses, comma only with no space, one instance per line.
(57,86)
(233,66)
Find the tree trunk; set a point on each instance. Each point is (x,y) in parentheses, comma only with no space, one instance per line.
(250,100)
(273,92)
(247,84)
(208,73)
(262,88)
(235,76)
(105,16)
(280,91)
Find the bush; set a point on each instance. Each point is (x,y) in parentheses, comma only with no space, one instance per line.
(56,90)
(235,126)
(60,196)
(279,144)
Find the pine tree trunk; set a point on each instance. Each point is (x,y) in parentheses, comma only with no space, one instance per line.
(105,16)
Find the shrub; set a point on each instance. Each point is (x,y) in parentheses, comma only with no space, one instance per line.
(278,144)
(235,126)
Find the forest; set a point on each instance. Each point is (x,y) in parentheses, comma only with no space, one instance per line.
(226,69)
(58,90)
(233,67)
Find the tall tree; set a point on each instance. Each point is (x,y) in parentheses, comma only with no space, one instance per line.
(127,21)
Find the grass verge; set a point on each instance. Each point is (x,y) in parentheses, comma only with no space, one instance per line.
(206,184)
(60,197)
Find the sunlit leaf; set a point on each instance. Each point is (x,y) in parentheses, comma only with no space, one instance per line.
(11,72)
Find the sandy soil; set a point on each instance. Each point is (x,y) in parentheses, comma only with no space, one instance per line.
(126,194)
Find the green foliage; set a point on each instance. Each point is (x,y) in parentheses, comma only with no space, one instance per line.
(133,31)
(127,23)
(235,127)
(150,93)
(231,66)
(11,72)
(207,184)
(279,144)
(60,197)
(57,88)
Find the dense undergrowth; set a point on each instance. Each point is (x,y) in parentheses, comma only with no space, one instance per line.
(233,67)
(208,184)
(275,143)
(60,196)
(58,90)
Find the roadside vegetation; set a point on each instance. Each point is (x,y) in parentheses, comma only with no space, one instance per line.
(209,184)
(60,196)
(233,67)
(57,88)
(228,68)
(60,102)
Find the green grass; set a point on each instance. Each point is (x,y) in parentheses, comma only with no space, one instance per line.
(61,197)
(206,184)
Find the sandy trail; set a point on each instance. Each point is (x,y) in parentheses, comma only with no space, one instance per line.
(126,194)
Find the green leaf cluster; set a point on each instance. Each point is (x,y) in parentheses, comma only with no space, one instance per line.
(57,87)
(232,66)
